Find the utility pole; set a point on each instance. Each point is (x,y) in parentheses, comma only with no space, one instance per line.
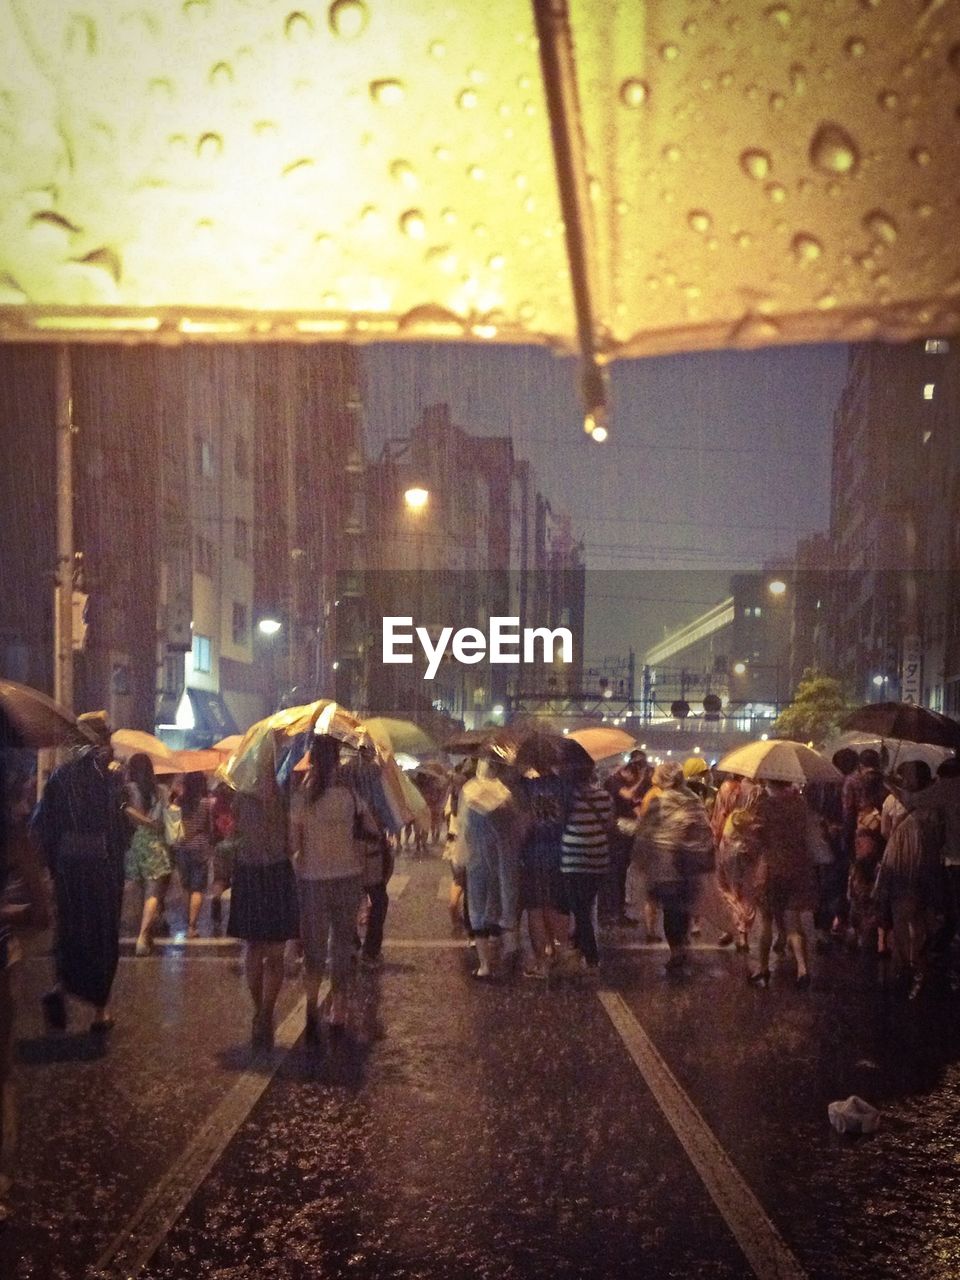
(63,589)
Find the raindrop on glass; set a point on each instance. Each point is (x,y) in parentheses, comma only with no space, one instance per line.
(441,153)
(751,329)
(402,171)
(496,262)
(744,239)
(209,146)
(671,152)
(755,163)
(888,100)
(777,102)
(779,14)
(826,301)
(526,311)
(387,92)
(699,220)
(467,99)
(798,78)
(412,224)
(805,247)
(953,58)
(437,49)
(221,75)
(832,150)
(669,52)
(347,18)
(855,47)
(634,93)
(920,156)
(881,225)
(477,172)
(922,209)
(297,26)
(776,191)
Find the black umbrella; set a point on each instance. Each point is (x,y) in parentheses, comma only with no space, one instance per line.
(28,718)
(906,722)
(473,742)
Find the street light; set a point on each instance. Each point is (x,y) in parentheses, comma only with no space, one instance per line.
(739,668)
(777,587)
(269,626)
(416,498)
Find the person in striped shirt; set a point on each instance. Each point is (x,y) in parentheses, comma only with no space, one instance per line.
(585,856)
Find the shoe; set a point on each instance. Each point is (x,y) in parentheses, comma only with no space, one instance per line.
(54,1010)
(371,963)
(535,971)
(675,963)
(261,1036)
(100,1026)
(193,933)
(694,931)
(724,940)
(916,988)
(803,982)
(161,926)
(759,979)
(484,975)
(743,944)
(143,947)
(311,1030)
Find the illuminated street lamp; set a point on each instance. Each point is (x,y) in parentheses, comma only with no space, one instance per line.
(416,498)
(739,668)
(269,626)
(777,587)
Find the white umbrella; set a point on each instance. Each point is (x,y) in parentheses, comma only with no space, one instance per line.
(780,761)
(602,742)
(898,752)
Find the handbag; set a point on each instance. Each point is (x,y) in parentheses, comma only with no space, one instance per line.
(698,852)
(370,846)
(172,825)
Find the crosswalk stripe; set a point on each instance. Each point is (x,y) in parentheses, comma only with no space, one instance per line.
(765,1249)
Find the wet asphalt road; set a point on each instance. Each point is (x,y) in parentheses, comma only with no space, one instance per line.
(468,1130)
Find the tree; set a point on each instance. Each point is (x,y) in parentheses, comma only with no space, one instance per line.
(814,715)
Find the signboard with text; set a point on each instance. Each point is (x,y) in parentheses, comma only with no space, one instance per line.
(911,670)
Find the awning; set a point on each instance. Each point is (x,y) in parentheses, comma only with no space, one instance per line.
(211,714)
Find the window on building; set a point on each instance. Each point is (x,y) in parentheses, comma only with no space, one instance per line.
(201,654)
(241,456)
(173,673)
(936,346)
(928,390)
(203,456)
(204,556)
(239,624)
(241,539)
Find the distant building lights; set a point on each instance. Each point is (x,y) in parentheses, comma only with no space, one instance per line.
(928,390)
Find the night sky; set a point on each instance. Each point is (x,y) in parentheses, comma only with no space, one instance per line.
(717,461)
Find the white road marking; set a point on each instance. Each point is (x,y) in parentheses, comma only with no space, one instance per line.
(143,1233)
(396,884)
(765,1249)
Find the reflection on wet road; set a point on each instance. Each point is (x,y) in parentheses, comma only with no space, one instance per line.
(462,1129)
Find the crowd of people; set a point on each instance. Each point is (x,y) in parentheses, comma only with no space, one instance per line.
(544,855)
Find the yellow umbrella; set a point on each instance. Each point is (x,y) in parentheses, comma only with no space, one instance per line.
(602,742)
(618,178)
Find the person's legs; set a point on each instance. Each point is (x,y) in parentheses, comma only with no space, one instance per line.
(676,923)
(253,961)
(379,904)
(539,937)
(764,942)
(581,892)
(343,897)
(151,906)
(797,942)
(272,982)
(651,918)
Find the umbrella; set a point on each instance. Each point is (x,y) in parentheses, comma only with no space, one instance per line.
(597,177)
(541,750)
(28,718)
(905,721)
(603,742)
(399,735)
(198,761)
(780,761)
(898,752)
(266,744)
(473,742)
(129,742)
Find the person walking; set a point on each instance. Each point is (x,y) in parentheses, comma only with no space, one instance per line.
(263,894)
(543,802)
(147,861)
(673,846)
(330,831)
(486,851)
(909,895)
(192,850)
(585,858)
(786,885)
(80,828)
(626,787)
